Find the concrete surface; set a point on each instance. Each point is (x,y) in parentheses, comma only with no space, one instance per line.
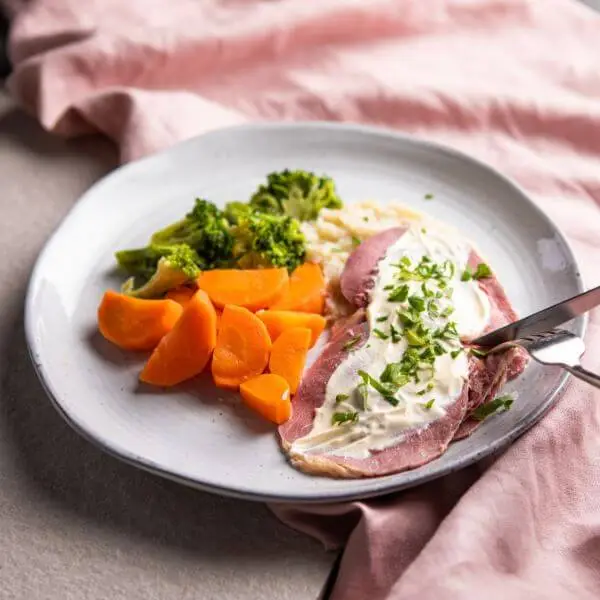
(76,524)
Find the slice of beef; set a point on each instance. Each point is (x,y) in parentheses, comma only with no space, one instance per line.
(417,446)
(486,377)
(358,276)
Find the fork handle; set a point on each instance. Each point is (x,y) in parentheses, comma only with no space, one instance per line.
(585,375)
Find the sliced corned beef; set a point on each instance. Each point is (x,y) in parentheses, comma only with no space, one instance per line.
(417,446)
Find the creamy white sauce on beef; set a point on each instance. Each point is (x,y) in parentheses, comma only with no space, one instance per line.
(378,423)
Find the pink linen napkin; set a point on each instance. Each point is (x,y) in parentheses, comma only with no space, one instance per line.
(514,82)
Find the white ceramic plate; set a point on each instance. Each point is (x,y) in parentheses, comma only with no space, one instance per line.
(203,436)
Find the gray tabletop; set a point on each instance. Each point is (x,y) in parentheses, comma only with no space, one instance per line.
(75,523)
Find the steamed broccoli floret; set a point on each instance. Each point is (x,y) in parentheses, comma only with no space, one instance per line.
(161,268)
(268,240)
(237,211)
(299,194)
(205,229)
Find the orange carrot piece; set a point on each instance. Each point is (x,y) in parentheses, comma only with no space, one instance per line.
(187,348)
(306,292)
(288,355)
(268,395)
(277,321)
(252,288)
(133,323)
(243,347)
(182,295)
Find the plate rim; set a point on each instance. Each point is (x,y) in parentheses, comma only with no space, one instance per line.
(238,492)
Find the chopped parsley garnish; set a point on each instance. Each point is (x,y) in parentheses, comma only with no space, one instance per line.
(478,353)
(363,394)
(499,404)
(423,230)
(341,398)
(394,374)
(429,196)
(344,417)
(426,390)
(380,334)
(395,335)
(455,353)
(388,287)
(382,319)
(400,294)
(385,389)
(481,272)
(351,342)
(414,339)
(417,303)
(356,241)
(429,404)
(366,219)
(433,309)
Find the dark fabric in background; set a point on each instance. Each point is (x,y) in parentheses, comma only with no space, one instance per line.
(4,64)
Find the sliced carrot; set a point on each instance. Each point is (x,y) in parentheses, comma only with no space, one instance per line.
(268,395)
(243,347)
(182,295)
(288,355)
(133,323)
(306,292)
(252,288)
(186,349)
(277,321)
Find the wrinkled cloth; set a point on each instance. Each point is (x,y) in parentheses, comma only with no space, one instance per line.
(515,83)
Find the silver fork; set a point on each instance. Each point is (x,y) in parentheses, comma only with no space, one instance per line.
(555,347)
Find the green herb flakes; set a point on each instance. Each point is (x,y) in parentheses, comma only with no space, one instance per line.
(400,294)
(339,418)
(482,271)
(478,353)
(351,342)
(499,404)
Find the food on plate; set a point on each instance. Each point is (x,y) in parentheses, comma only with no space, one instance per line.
(247,291)
(161,267)
(288,355)
(251,288)
(263,232)
(334,235)
(181,294)
(243,347)
(135,324)
(185,350)
(278,321)
(268,395)
(299,194)
(398,382)
(306,290)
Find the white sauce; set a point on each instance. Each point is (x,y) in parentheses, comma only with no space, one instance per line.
(383,425)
